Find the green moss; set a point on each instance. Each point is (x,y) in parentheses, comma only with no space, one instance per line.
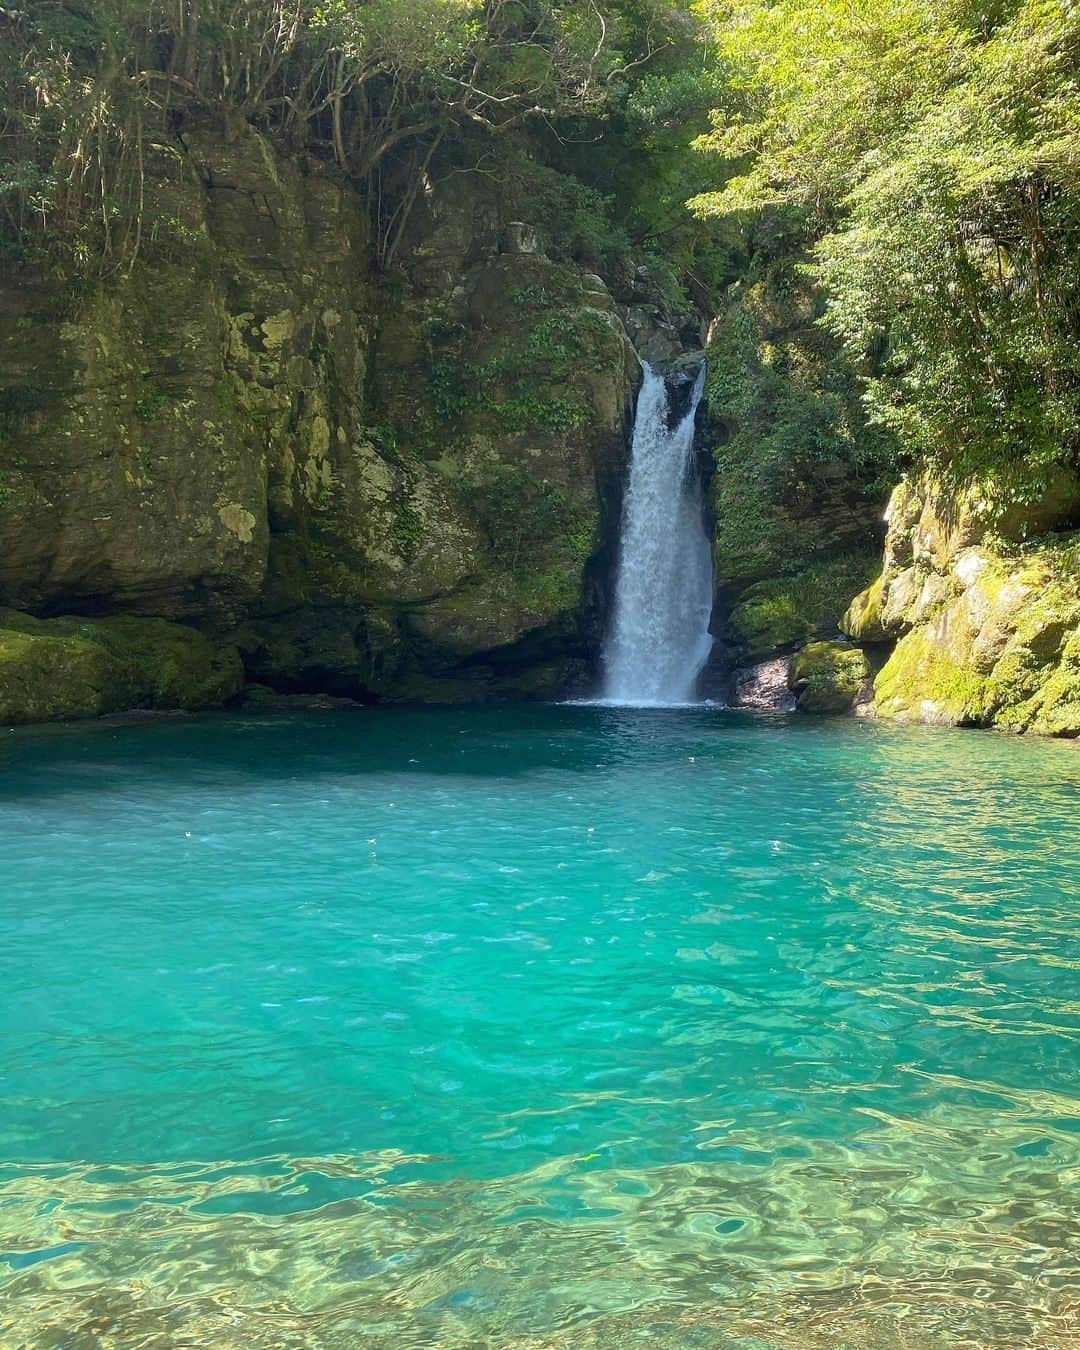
(69,667)
(320,571)
(409,530)
(526,520)
(997,642)
(826,677)
(919,683)
(1036,682)
(43,678)
(1054,708)
(776,615)
(169,665)
(152,399)
(862,619)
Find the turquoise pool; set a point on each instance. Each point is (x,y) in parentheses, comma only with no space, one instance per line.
(538,1026)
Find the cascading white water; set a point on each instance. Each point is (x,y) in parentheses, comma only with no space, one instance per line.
(659,637)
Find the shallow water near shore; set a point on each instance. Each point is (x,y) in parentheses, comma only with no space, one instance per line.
(538,1026)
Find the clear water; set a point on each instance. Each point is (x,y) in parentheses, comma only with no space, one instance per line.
(538,1026)
(659,639)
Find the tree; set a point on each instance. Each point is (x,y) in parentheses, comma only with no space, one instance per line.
(83,85)
(935,146)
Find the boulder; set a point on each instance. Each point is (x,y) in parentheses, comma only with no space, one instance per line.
(828,677)
(985,630)
(71,667)
(765,687)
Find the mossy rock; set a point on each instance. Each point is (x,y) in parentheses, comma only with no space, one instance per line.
(53,669)
(44,678)
(921,683)
(1001,646)
(775,616)
(827,677)
(767,620)
(863,618)
(1054,708)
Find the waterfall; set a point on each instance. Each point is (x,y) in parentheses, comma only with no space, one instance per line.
(659,637)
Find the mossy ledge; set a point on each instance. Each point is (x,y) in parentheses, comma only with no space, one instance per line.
(52,669)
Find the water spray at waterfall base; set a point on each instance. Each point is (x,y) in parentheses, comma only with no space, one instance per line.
(659,637)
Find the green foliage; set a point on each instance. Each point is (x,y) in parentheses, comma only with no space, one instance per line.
(934,146)
(149,404)
(523,517)
(453,387)
(788,396)
(576,222)
(408,526)
(90,93)
(525,385)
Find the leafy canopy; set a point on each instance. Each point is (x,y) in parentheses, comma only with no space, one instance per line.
(935,148)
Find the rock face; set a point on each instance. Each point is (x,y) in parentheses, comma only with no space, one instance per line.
(765,687)
(986,626)
(793,492)
(56,668)
(388,490)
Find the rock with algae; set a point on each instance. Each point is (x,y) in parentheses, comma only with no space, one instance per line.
(52,669)
(986,627)
(828,677)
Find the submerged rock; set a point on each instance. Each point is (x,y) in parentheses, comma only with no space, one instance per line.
(259,698)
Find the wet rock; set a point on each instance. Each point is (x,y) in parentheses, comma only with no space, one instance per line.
(680,379)
(259,698)
(765,687)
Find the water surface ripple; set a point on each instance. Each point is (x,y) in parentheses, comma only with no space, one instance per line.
(538,1027)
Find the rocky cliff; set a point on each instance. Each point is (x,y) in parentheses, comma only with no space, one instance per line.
(796,491)
(976,613)
(310,476)
(255,465)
